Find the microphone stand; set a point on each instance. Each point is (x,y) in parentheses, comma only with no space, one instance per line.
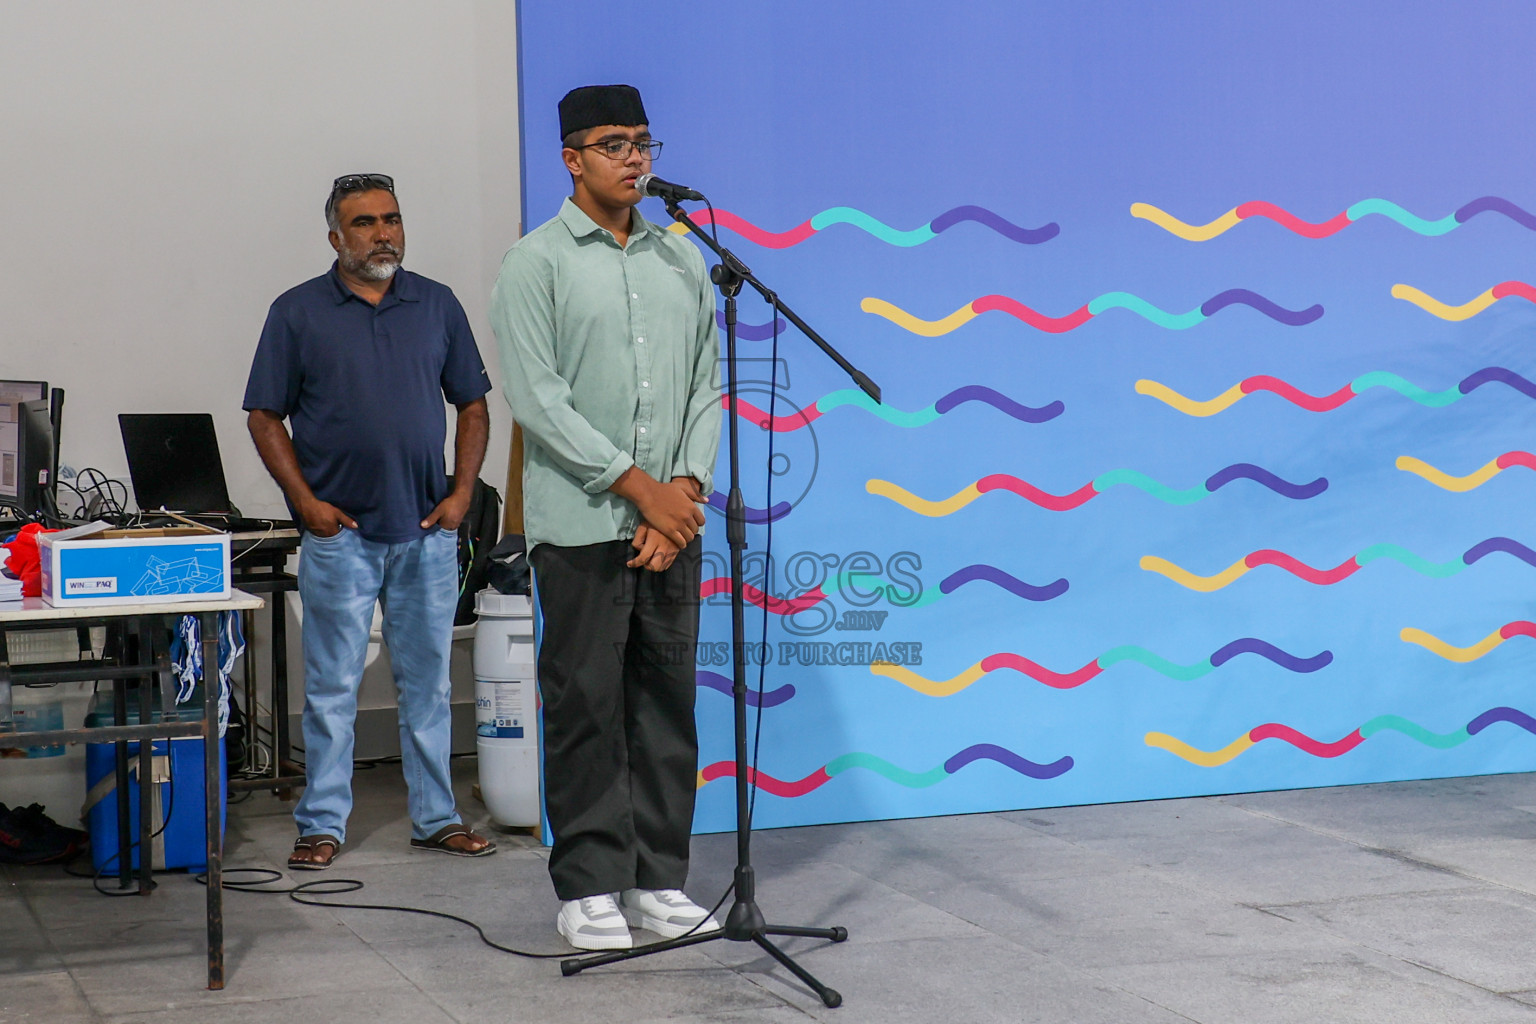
(745,922)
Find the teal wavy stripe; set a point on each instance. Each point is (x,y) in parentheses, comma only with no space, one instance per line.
(1412,222)
(858,399)
(1434,570)
(1156,662)
(1415,731)
(870,583)
(1383,379)
(915,780)
(1141,307)
(864,222)
(1160,491)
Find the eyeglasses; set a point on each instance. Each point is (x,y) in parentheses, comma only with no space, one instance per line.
(619,149)
(361,183)
(349,183)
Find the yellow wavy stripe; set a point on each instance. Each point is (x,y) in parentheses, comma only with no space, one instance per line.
(1430,304)
(1189,232)
(923,506)
(1184,578)
(1445,480)
(932,687)
(1189,406)
(927,328)
(700,782)
(1203,758)
(1463,654)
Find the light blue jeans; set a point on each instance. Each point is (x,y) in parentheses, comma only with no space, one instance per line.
(417,584)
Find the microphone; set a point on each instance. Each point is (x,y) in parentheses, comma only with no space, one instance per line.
(650,185)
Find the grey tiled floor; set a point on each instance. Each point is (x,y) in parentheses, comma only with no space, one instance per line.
(1406,902)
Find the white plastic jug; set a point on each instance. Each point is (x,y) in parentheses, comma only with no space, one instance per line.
(506,708)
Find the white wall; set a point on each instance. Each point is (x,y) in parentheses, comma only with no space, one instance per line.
(163,167)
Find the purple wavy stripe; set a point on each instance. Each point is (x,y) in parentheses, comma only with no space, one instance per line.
(1265,649)
(1007,758)
(771,698)
(1260,475)
(1492,544)
(1497,374)
(998,401)
(971,573)
(1494,715)
(755,516)
(1026,236)
(1233,296)
(752,332)
(1493,204)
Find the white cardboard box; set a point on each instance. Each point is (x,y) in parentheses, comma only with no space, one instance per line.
(133,566)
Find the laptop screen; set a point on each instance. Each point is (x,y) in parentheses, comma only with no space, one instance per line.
(173,460)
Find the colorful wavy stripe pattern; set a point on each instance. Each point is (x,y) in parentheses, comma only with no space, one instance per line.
(770,698)
(1432,305)
(1318,748)
(754,516)
(1477,478)
(1432,643)
(869,225)
(753,332)
(1330,402)
(859,400)
(1110,300)
(897,595)
(1326,577)
(1070,680)
(1333,225)
(901,776)
(1093,488)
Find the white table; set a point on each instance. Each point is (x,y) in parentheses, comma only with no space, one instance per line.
(34,613)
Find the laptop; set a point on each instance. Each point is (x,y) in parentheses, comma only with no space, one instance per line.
(173,461)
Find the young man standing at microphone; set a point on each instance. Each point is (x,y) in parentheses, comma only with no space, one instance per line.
(606,324)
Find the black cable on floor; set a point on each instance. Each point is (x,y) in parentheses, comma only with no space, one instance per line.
(304,892)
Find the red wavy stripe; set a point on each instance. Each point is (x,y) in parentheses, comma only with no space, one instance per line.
(1054,502)
(1519,627)
(1300,569)
(1300,740)
(1286,219)
(1039,673)
(1520,288)
(1509,459)
(1013,307)
(777,605)
(767,783)
(794,421)
(753,233)
(1312,403)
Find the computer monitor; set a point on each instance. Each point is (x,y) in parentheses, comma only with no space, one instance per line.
(36,461)
(12,394)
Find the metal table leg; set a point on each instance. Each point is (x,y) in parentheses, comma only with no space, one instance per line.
(213,792)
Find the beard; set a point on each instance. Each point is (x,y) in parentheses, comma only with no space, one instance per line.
(369,267)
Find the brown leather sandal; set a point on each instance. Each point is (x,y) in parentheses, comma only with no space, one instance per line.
(438,842)
(306,851)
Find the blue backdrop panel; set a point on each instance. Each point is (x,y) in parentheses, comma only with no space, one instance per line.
(1205,333)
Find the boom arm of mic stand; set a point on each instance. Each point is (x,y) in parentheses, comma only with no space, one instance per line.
(740,269)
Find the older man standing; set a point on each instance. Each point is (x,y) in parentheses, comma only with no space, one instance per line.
(606,324)
(359,360)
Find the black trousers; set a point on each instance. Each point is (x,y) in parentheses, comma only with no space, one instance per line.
(616,673)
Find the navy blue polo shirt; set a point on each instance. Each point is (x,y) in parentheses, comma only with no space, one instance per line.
(363,387)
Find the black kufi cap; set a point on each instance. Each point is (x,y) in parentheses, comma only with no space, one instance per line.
(592,105)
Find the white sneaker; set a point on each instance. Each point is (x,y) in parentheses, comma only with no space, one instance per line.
(667,912)
(593,922)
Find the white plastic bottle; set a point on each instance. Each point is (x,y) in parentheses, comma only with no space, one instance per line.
(506,709)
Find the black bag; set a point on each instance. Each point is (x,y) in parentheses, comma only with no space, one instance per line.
(478,533)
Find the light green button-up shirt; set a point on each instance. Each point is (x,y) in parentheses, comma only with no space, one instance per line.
(612,360)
